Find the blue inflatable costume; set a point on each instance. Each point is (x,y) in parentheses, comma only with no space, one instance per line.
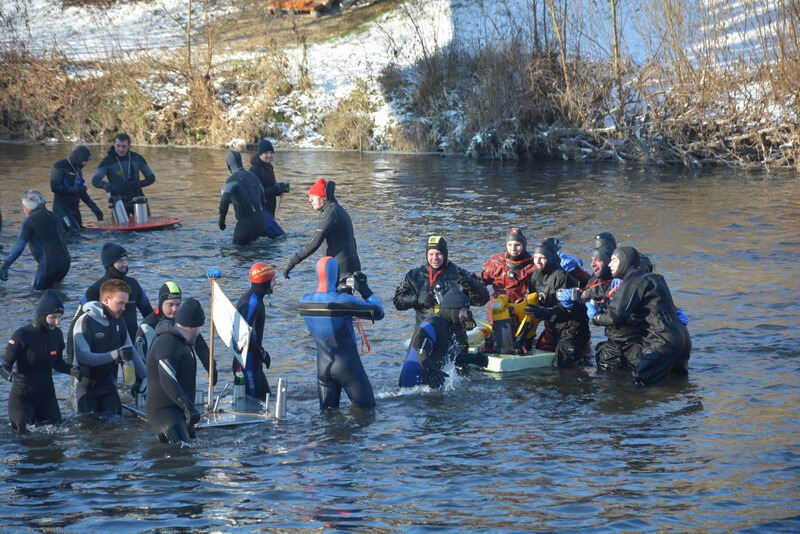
(329,315)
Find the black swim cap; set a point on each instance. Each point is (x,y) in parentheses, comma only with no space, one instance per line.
(515,234)
(190,314)
(439,243)
(168,291)
(79,155)
(605,239)
(49,303)
(110,253)
(454,300)
(265,146)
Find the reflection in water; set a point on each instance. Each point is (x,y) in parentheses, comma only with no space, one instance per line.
(546,449)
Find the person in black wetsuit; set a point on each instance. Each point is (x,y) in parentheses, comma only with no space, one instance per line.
(243,189)
(251,307)
(69,187)
(115,261)
(100,342)
(122,166)
(328,314)
(171,373)
(334,227)
(35,350)
(564,317)
(442,337)
(261,166)
(42,231)
(423,285)
(660,343)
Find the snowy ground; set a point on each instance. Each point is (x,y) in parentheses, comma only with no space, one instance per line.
(401,36)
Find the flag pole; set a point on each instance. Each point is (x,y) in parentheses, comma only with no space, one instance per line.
(212,274)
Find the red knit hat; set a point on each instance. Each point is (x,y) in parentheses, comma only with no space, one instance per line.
(318,188)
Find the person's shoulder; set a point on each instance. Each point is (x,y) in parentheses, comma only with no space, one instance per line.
(137,157)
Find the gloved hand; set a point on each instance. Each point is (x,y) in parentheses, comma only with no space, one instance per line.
(191,414)
(481,359)
(592,309)
(80,183)
(266,359)
(569,262)
(117,355)
(4,271)
(436,376)
(284,187)
(537,312)
(110,189)
(98,213)
(682,317)
(425,300)
(221,222)
(361,283)
(615,282)
(564,296)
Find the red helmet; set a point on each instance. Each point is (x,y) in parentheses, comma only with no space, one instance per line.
(261,273)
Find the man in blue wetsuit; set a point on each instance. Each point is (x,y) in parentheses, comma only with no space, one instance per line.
(69,188)
(122,167)
(442,337)
(329,314)
(251,307)
(42,231)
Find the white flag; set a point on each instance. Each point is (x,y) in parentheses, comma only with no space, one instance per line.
(230,326)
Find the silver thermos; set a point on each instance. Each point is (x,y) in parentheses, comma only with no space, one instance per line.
(280,399)
(120,215)
(140,210)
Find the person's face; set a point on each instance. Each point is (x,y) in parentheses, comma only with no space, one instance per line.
(317,202)
(121,147)
(266,157)
(597,265)
(170,308)
(435,258)
(466,318)
(52,320)
(116,303)
(540,260)
(122,264)
(514,248)
(614,265)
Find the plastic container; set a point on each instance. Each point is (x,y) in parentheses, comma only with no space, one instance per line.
(140,210)
(238,391)
(128,373)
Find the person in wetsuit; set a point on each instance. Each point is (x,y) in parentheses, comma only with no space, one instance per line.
(510,272)
(564,317)
(442,337)
(261,166)
(32,353)
(172,376)
(422,285)
(122,166)
(169,301)
(115,261)
(334,228)
(328,314)
(643,303)
(69,187)
(251,307)
(243,189)
(42,232)
(100,342)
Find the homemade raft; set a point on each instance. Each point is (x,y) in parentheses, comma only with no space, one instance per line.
(140,221)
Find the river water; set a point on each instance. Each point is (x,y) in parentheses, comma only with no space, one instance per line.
(543,450)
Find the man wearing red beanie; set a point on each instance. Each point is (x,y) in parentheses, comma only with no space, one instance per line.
(334,227)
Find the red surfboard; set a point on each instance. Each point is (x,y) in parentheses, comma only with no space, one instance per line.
(153,223)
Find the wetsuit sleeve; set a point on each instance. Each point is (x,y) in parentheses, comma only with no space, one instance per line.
(83,352)
(99,174)
(371,304)
(326,222)
(83,194)
(405,296)
(57,184)
(425,341)
(25,234)
(168,380)
(13,350)
(473,287)
(147,172)
(225,200)
(59,364)
(203,354)
(143,303)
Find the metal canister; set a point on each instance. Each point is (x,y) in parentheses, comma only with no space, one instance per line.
(280,400)
(120,215)
(140,210)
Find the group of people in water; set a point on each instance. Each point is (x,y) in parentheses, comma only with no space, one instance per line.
(646,333)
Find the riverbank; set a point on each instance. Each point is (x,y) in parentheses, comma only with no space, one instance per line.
(706,84)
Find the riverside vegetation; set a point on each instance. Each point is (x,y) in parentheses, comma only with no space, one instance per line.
(534,93)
